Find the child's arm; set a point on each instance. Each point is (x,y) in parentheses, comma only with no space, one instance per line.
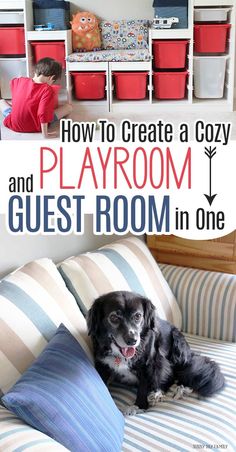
(46,134)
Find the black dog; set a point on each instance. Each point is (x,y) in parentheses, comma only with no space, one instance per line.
(132,345)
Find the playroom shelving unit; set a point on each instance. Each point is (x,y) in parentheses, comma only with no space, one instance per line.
(190,102)
(24,66)
(150,103)
(100,66)
(15,66)
(63,36)
(10,67)
(57,35)
(177,34)
(226,102)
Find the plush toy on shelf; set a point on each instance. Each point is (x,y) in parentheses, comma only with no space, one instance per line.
(85,32)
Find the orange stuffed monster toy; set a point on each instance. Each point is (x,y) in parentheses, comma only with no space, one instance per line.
(85,32)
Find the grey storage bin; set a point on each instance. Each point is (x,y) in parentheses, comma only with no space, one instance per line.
(209,76)
(9,69)
(210,14)
(172,8)
(11,17)
(56,12)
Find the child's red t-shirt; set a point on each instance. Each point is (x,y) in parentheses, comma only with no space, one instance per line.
(32,104)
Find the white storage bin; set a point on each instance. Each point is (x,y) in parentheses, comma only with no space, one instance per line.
(11,17)
(210,14)
(10,69)
(209,76)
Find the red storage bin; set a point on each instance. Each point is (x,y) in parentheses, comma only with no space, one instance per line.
(12,41)
(169,54)
(169,85)
(131,85)
(210,38)
(50,49)
(89,85)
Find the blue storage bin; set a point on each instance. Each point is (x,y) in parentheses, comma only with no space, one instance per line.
(57,12)
(172,8)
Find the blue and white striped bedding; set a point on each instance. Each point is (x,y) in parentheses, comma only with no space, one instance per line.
(187,424)
(181,425)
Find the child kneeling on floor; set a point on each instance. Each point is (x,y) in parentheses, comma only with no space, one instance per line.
(32,106)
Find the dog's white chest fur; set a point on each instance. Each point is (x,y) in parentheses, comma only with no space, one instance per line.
(121,367)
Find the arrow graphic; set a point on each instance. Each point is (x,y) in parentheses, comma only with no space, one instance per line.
(210,152)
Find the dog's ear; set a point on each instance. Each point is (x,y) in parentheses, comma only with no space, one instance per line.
(93,318)
(149,313)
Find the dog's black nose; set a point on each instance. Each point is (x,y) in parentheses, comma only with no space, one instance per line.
(131,341)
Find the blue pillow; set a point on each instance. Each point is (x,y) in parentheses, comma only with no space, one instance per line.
(63,396)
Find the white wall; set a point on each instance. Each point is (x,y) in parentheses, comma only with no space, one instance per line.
(116,9)
(16,250)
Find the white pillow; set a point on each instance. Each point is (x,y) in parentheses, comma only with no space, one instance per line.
(34,301)
(123,265)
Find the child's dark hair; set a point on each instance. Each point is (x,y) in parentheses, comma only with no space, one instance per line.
(48,67)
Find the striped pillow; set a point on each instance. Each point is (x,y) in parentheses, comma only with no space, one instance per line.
(33,302)
(207,300)
(123,265)
(63,396)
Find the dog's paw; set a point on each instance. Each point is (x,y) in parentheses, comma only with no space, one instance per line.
(181,391)
(155,397)
(131,410)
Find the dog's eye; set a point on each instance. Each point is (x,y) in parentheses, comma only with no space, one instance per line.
(137,317)
(114,318)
